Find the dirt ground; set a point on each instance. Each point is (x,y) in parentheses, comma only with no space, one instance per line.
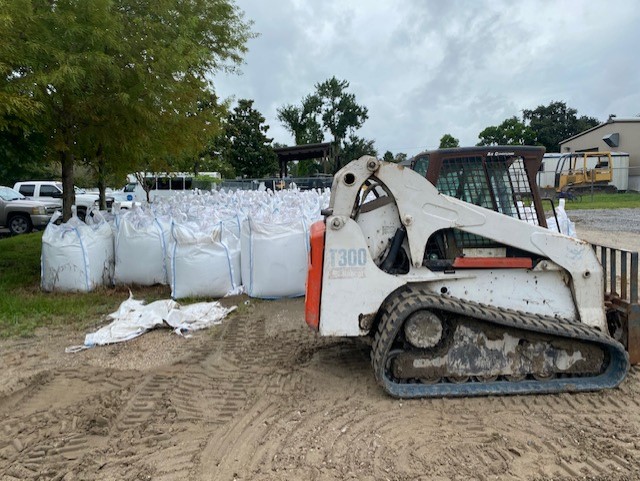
(260,397)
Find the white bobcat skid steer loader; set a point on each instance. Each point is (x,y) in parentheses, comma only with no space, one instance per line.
(461,298)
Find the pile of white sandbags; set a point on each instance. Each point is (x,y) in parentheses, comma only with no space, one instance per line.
(207,244)
(76,256)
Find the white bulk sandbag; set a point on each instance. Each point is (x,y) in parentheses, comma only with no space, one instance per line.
(76,256)
(274,258)
(564,225)
(204,263)
(141,249)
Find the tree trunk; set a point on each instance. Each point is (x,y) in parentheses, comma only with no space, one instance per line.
(102,182)
(336,153)
(68,195)
(142,181)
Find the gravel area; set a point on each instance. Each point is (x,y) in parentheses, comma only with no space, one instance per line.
(610,220)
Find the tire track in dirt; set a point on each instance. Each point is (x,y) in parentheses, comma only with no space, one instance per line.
(131,420)
(48,443)
(491,436)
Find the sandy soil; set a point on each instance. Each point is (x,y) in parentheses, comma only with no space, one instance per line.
(261,397)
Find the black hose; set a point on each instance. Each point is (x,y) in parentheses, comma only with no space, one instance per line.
(396,243)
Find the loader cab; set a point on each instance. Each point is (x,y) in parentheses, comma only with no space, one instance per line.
(500,178)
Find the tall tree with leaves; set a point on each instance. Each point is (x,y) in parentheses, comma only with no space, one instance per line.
(555,122)
(400,157)
(340,114)
(302,121)
(249,149)
(510,132)
(120,83)
(22,155)
(355,147)
(396,159)
(214,157)
(330,110)
(448,141)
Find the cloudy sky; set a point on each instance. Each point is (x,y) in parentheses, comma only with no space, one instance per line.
(424,68)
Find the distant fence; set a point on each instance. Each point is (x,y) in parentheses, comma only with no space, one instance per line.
(302,183)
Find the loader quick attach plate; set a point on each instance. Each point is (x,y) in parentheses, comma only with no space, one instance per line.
(490,351)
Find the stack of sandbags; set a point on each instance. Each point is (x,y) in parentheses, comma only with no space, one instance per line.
(77,256)
(204,244)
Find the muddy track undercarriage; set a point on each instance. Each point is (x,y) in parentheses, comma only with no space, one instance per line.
(431,345)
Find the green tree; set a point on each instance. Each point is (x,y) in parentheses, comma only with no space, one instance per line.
(22,154)
(448,141)
(249,149)
(340,115)
(355,147)
(396,159)
(331,110)
(400,157)
(214,157)
(302,121)
(306,168)
(122,81)
(510,132)
(555,122)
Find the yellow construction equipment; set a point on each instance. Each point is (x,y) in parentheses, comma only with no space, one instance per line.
(574,176)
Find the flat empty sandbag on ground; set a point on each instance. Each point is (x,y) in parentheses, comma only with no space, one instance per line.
(133,318)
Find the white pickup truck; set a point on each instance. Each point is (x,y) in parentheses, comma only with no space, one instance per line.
(51,191)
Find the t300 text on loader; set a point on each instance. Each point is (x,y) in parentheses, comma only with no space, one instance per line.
(464,297)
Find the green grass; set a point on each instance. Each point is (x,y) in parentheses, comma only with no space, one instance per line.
(24,307)
(604,201)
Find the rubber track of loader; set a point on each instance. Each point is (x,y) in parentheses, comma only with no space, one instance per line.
(409,298)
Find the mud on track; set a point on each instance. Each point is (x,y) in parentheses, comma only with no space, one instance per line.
(262,398)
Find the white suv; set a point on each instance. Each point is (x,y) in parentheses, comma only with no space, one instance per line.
(51,191)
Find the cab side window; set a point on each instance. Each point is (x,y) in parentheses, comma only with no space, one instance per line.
(27,190)
(48,191)
(421,166)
